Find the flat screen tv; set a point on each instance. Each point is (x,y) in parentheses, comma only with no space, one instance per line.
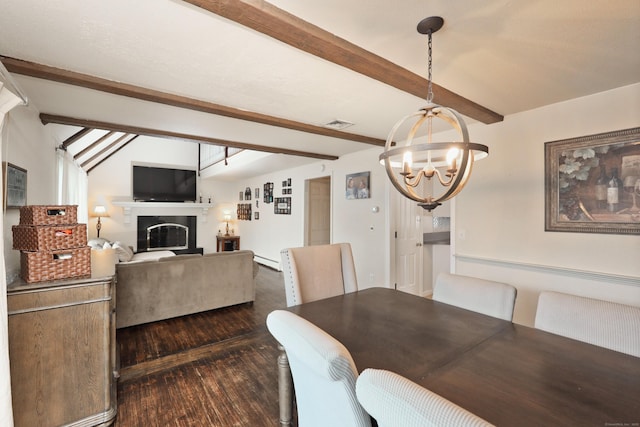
(156,184)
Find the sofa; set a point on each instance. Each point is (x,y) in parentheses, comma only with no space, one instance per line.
(156,286)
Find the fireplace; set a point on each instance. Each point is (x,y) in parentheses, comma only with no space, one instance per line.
(175,233)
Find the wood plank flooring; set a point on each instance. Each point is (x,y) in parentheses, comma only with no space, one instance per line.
(216,368)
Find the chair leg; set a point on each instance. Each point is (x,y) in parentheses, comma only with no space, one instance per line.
(285,388)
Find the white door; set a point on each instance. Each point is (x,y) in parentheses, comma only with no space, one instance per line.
(408,241)
(318,212)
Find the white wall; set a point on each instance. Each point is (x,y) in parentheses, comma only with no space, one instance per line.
(27,144)
(501,211)
(111,181)
(352,220)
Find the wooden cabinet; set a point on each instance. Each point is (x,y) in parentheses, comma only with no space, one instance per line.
(62,352)
(228,243)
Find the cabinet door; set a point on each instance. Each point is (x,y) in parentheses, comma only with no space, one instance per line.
(60,355)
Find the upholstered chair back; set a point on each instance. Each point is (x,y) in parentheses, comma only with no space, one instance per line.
(324,375)
(602,323)
(317,272)
(482,296)
(394,401)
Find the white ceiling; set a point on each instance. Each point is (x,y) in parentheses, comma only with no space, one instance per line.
(508,56)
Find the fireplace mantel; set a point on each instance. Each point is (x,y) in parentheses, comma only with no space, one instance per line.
(128,206)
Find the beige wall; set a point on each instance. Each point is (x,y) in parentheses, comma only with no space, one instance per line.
(501,212)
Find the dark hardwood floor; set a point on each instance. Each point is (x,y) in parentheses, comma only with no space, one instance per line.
(216,368)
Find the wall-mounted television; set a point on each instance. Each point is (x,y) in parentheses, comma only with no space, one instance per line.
(159,184)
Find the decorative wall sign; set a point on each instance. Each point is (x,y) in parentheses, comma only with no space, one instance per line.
(592,183)
(247,193)
(282,206)
(358,186)
(15,193)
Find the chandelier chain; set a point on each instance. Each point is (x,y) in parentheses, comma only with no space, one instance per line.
(430,87)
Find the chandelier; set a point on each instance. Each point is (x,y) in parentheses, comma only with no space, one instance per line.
(408,163)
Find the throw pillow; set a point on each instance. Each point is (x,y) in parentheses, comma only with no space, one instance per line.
(125,253)
(97,243)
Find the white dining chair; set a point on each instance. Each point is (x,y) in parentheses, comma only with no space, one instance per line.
(483,296)
(317,272)
(395,401)
(602,323)
(324,374)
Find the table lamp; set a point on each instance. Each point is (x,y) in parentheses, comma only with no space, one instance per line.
(227,218)
(101,212)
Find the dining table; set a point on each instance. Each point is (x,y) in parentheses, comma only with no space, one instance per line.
(506,373)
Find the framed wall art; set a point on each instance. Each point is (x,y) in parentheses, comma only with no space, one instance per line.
(268,192)
(357,186)
(282,206)
(14,195)
(592,183)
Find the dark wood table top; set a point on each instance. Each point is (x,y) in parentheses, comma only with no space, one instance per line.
(508,374)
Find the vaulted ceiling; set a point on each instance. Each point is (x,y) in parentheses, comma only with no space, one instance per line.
(269,76)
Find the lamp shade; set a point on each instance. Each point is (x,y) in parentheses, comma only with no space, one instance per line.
(100,210)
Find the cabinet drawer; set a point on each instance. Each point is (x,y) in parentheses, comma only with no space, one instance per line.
(49,298)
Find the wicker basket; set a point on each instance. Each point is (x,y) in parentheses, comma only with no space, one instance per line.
(49,237)
(48,214)
(54,265)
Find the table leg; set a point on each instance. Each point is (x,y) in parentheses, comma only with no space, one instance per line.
(285,388)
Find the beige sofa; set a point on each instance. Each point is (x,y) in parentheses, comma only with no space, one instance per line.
(151,290)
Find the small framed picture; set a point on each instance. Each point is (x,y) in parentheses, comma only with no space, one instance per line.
(358,186)
(241,196)
(256,215)
(257,190)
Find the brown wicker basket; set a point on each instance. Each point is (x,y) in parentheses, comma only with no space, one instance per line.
(48,214)
(53,265)
(49,237)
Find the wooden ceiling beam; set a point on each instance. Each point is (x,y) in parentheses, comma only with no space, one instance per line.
(111,154)
(75,137)
(93,145)
(46,72)
(281,25)
(71,121)
(104,150)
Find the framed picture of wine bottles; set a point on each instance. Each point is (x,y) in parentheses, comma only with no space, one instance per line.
(592,183)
